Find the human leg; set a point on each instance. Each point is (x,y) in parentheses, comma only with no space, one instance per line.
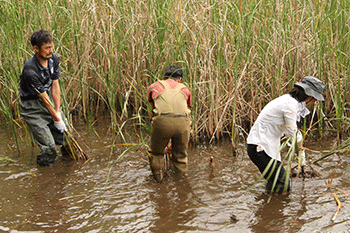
(275,169)
(180,144)
(159,140)
(37,120)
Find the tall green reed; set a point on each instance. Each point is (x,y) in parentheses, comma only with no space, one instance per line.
(237,56)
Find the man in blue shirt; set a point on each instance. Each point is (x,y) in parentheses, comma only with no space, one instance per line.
(41,98)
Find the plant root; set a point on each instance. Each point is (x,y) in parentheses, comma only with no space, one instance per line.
(304,172)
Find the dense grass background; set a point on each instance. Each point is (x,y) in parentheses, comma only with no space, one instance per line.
(236,55)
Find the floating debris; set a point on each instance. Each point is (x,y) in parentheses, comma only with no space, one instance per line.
(211,161)
(233,218)
(338,204)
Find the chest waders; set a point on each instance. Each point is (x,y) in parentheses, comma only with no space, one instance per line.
(40,123)
(171,122)
(171,101)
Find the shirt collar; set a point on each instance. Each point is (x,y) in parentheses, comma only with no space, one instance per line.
(303,111)
(41,67)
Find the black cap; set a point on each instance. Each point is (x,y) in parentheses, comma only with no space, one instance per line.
(173,72)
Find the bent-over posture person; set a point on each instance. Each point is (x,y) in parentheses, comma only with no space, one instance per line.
(278,118)
(171,102)
(41,98)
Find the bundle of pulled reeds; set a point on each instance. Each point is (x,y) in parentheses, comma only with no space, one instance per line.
(74,150)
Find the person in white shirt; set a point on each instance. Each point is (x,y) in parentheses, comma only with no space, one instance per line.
(279,117)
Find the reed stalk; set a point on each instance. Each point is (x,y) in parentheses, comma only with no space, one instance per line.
(6,159)
(111,51)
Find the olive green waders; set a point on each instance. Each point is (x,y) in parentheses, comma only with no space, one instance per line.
(41,126)
(164,128)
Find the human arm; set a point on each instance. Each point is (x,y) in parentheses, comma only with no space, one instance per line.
(56,95)
(153,91)
(58,122)
(188,95)
(290,127)
(149,96)
(290,122)
(49,106)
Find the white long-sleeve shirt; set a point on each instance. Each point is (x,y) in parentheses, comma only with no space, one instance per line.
(278,118)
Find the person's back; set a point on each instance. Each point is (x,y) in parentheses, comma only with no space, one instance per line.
(277,118)
(171,101)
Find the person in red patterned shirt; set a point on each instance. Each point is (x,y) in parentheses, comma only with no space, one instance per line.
(171,102)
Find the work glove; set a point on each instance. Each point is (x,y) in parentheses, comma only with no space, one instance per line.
(301,155)
(59,115)
(60,125)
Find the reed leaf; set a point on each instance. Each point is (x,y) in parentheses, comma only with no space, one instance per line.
(111,51)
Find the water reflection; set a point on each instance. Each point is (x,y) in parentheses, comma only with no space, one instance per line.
(173,201)
(74,197)
(269,216)
(46,194)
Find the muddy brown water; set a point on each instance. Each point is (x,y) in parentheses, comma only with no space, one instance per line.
(77,197)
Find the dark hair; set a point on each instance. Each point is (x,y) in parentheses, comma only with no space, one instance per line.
(298,93)
(173,72)
(40,37)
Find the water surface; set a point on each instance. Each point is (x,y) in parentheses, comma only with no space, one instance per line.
(77,197)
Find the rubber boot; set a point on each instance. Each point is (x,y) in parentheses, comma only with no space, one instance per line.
(157,163)
(46,157)
(180,164)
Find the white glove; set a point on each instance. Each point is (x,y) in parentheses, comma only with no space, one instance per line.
(301,155)
(299,136)
(59,115)
(61,126)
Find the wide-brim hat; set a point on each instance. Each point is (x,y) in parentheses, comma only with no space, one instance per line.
(312,87)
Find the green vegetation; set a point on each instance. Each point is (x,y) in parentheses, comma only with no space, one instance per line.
(237,56)
(6,159)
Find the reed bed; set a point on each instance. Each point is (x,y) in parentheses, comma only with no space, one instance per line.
(236,55)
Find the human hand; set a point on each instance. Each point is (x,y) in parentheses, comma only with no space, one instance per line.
(59,115)
(61,126)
